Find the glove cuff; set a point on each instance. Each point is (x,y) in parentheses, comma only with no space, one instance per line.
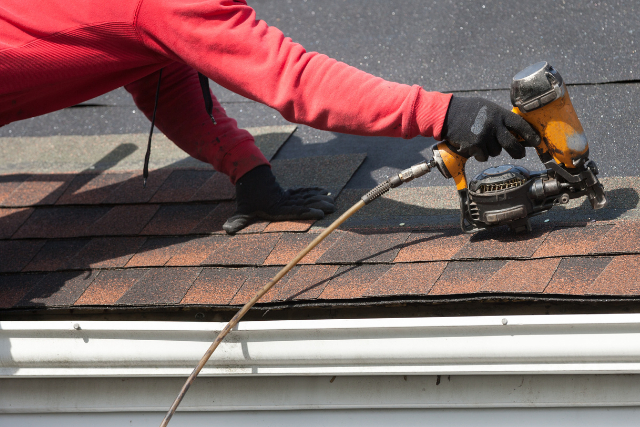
(430,112)
(242,158)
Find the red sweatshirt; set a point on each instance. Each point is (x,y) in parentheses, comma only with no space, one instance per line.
(57,53)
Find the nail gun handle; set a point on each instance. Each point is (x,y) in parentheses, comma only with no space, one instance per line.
(450,163)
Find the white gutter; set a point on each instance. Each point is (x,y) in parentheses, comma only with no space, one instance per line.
(606,343)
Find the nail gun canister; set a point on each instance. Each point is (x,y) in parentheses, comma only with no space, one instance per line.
(539,95)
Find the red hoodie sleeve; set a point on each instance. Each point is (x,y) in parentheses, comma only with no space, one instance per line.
(223,40)
(181,116)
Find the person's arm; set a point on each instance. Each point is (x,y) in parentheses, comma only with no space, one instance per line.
(223,40)
(181,116)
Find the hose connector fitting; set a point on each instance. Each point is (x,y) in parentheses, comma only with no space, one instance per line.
(406,175)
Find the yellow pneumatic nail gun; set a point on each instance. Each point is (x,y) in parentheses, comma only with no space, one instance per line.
(510,195)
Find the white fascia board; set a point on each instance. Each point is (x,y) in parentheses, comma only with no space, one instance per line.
(264,393)
(569,344)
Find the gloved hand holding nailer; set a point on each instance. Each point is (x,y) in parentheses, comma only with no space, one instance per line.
(482,129)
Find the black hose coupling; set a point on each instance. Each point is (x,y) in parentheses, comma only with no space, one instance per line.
(406,175)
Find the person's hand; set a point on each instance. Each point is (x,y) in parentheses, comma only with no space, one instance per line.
(480,128)
(259,196)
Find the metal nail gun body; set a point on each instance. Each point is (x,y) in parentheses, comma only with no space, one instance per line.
(510,195)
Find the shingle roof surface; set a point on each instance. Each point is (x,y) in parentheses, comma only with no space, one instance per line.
(77,229)
(170,252)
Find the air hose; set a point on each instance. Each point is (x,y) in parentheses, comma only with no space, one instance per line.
(406,175)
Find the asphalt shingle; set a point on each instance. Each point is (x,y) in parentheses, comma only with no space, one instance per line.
(575,275)
(92,188)
(160,286)
(156,251)
(572,241)
(181,186)
(216,286)
(60,222)
(197,250)
(176,219)
(106,252)
(38,190)
(432,245)
(248,249)
(353,281)
(15,255)
(123,220)
(55,254)
(465,277)
(58,289)
(15,286)
(364,248)
(530,276)
(109,286)
(132,190)
(12,219)
(408,279)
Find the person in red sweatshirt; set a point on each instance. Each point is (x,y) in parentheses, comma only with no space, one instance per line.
(58,53)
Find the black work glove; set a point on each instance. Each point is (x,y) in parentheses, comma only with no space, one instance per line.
(481,129)
(258,195)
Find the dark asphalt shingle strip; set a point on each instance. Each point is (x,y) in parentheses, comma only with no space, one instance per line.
(329,172)
(38,190)
(197,250)
(12,219)
(60,222)
(156,251)
(291,243)
(574,276)
(255,281)
(530,276)
(216,286)
(621,276)
(572,241)
(364,248)
(109,286)
(502,243)
(305,282)
(9,183)
(213,222)
(132,190)
(15,286)
(92,188)
(407,279)
(16,254)
(177,219)
(217,187)
(353,281)
(457,35)
(58,289)
(55,254)
(465,277)
(181,186)
(106,252)
(123,220)
(247,249)
(161,286)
